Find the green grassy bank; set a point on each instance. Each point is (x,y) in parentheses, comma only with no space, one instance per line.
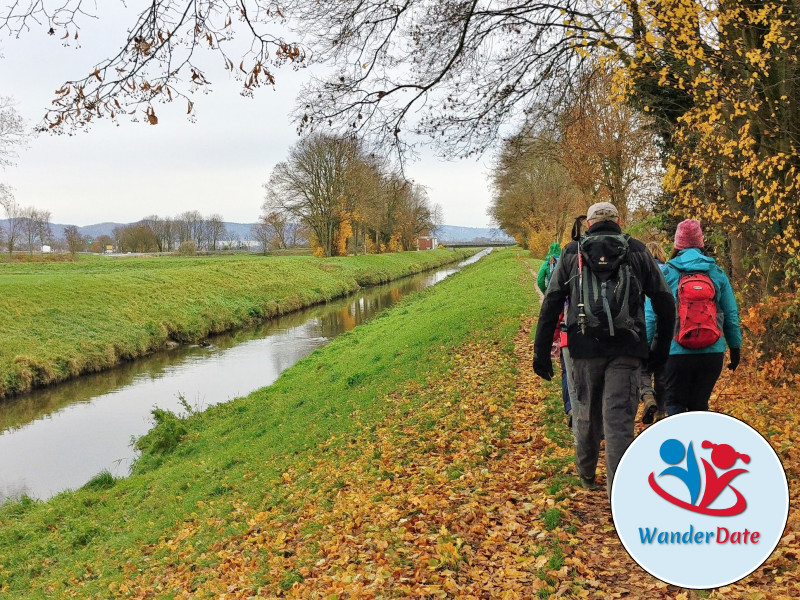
(207,475)
(63,319)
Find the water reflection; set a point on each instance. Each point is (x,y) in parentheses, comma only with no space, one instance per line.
(59,438)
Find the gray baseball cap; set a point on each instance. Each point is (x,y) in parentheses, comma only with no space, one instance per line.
(602,211)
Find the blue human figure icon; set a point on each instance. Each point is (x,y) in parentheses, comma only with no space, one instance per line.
(672,453)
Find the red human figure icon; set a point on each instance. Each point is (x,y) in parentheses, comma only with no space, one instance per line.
(724,457)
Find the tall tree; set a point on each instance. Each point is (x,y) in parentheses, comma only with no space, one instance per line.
(311,186)
(137,237)
(34,227)
(263,234)
(13,134)
(609,148)
(162,229)
(720,77)
(14,214)
(75,241)
(189,227)
(273,228)
(159,60)
(534,194)
(215,231)
(734,150)
(476,64)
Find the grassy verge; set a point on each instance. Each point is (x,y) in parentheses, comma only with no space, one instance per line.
(251,469)
(62,319)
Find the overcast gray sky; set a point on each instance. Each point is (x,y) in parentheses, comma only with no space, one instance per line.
(217,164)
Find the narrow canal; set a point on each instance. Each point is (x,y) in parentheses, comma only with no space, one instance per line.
(58,438)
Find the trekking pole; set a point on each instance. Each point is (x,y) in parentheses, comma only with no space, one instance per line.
(581,309)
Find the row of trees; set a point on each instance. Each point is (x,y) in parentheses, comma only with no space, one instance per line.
(718,79)
(588,149)
(26,227)
(29,229)
(717,84)
(166,234)
(76,242)
(726,98)
(345,199)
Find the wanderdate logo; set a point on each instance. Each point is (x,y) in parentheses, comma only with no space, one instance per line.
(723,457)
(700,500)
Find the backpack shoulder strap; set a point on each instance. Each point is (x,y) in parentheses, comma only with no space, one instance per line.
(679,272)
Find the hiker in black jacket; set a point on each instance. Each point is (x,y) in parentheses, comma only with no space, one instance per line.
(607,335)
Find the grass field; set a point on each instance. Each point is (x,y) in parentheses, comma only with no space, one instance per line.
(203,479)
(62,319)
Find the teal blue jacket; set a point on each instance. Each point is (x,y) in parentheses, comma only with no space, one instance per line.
(692,260)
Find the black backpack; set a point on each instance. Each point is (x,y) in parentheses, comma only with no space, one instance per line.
(608,290)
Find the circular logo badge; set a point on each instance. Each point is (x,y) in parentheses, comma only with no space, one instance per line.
(700,500)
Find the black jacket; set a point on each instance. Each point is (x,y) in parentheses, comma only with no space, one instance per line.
(564,287)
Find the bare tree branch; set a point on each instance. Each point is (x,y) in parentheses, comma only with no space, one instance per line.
(456,71)
(158,60)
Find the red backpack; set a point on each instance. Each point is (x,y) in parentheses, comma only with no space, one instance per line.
(697,325)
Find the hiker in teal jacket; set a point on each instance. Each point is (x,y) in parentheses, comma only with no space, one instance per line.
(690,374)
(548,266)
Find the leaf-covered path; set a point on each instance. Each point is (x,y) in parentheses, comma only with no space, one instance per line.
(471,495)
(466,489)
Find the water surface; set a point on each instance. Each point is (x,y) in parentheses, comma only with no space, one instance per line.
(58,438)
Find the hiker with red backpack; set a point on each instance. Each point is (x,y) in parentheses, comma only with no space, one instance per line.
(708,321)
(605,276)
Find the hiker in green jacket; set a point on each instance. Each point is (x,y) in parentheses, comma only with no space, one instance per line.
(548,266)
(560,351)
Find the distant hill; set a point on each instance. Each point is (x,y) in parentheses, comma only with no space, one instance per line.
(241,231)
(454,233)
(92,231)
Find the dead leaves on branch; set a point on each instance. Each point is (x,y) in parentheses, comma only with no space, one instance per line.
(161,61)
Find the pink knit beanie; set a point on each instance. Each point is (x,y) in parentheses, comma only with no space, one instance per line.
(688,235)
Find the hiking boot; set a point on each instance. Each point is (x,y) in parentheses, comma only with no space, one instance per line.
(650,409)
(569,419)
(589,484)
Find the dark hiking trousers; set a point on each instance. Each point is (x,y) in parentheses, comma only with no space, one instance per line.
(690,379)
(565,386)
(605,402)
(653,383)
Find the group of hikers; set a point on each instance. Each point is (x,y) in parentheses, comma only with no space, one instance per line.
(630,326)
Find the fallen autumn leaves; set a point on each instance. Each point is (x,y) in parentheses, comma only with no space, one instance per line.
(471,495)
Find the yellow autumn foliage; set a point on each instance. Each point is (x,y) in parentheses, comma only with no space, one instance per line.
(735,159)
